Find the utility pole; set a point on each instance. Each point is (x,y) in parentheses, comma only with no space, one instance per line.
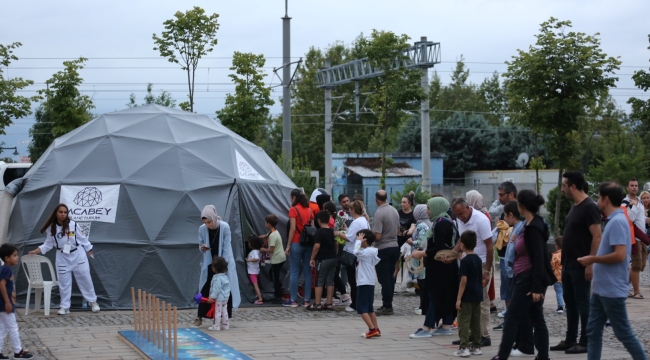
(328,135)
(424,118)
(286,90)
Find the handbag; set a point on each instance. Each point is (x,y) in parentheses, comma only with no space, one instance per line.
(308,231)
(346,259)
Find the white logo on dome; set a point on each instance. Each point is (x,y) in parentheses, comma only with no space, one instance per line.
(246,170)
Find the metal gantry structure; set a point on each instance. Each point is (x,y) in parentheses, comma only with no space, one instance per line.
(423,55)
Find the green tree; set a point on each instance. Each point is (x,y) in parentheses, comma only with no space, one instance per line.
(640,107)
(246,111)
(626,158)
(300,174)
(565,206)
(64,109)
(396,90)
(185,41)
(164,99)
(12,105)
(551,85)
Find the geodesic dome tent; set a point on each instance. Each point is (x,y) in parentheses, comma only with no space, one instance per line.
(137,180)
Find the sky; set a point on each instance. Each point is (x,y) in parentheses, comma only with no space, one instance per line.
(116,37)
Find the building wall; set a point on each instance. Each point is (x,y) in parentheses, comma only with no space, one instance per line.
(414,160)
(548,178)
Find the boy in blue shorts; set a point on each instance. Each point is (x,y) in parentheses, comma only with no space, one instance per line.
(366,260)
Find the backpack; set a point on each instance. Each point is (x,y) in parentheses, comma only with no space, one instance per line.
(308,231)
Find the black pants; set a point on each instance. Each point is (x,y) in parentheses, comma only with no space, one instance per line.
(576,299)
(205,292)
(385,269)
(275,275)
(424,296)
(525,341)
(352,279)
(338,283)
(522,307)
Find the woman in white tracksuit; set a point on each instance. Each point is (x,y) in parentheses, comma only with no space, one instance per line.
(71,247)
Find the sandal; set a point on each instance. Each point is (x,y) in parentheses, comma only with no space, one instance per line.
(328,307)
(312,307)
(638,296)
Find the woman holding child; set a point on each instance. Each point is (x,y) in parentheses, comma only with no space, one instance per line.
(441,278)
(214,241)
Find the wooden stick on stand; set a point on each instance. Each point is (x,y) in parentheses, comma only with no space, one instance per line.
(169,329)
(164,335)
(135,322)
(175,334)
(158,322)
(140,306)
(149,323)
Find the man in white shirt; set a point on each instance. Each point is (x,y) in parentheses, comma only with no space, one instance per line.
(636,212)
(467,218)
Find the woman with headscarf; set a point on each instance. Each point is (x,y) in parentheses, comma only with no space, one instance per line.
(418,241)
(214,240)
(441,278)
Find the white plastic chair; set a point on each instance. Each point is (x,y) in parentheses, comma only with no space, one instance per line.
(32,267)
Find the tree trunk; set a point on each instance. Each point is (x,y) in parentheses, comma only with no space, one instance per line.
(189,87)
(558,202)
(382,183)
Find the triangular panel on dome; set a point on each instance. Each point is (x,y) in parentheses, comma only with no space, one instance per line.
(183,279)
(40,202)
(154,206)
(91,130)
(172,233)
(163,171)
(119,120)
(217,152)
(135,153)
(187,131)
(214,195)
(155,128)
(72,155)
(100,163)
(128,229)
(197,173)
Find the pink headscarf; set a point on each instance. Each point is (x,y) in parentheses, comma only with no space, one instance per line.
(210,212)
(475,200)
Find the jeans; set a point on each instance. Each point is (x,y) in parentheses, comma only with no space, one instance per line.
(300,256)
(503,290)
(275,275)
(576,292)
(602,308)
(385,269)
(521,309)
(559,294)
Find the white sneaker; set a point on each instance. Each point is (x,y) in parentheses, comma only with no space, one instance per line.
(225,327)
(462,353)
(517,353)
(349,309)
(502,314)
(95,307)
(418,311)
(63,311)
(474,351)
(214,328)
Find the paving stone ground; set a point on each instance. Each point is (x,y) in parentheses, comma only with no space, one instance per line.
(278,332)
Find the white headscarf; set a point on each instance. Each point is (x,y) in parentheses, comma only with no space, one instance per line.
(210,212)
(475,200)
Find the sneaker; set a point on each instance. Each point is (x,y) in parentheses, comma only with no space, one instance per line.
(498,328)
(2,356)
(462,352)
(345,301)
(418,311)
(577,349)
(23,355)
(225,327)
(485,342)
(95,307)
(214,328)
(560,310)
(518,353)
(257,302)
(442,332)
(455,342)
(290,303)
(384,311)
(371,334)
(475,351)
(63,311)
(349,309)
(197,322)
(454,325)
(502,314)
(420,334)
(562,346)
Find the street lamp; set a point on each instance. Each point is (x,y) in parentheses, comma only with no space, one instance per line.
(9,148)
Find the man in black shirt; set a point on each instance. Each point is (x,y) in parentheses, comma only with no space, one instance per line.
(581,237)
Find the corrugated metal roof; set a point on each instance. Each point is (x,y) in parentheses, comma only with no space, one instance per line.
(390,172)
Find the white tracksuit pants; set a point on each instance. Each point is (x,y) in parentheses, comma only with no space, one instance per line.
(76,262)
(9,326)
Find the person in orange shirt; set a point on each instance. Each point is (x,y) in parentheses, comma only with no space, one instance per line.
(556,264)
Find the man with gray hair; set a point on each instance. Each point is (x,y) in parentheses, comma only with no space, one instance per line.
(507,192)
(385,227)
(467,218)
